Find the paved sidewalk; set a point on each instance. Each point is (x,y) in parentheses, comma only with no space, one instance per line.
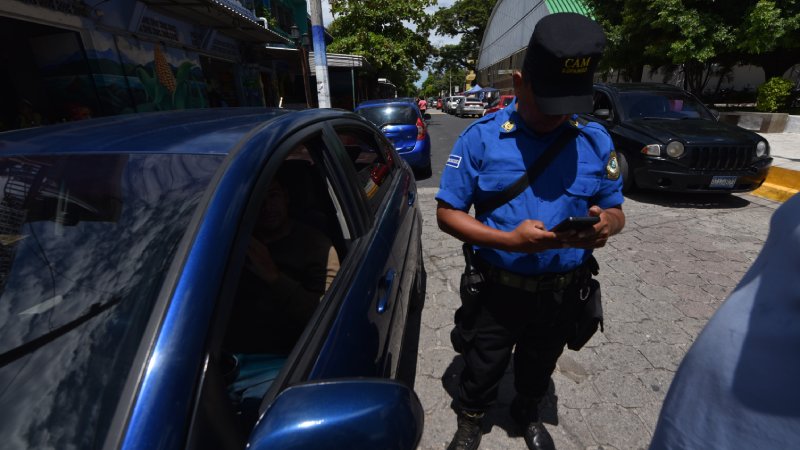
(783,180)
(662,278)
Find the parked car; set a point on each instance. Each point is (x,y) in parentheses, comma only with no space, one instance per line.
(404,125)
(452,104)
(666,139)
(469,106)
(125,246)
(498,104)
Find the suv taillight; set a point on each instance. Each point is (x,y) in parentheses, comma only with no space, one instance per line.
(420,129)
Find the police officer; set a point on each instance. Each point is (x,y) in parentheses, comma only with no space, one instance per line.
(526,302)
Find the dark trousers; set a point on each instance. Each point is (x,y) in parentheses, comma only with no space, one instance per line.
(538,324)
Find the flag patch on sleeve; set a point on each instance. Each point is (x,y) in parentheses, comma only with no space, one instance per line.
(453,161)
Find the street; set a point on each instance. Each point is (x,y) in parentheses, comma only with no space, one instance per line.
(677,259)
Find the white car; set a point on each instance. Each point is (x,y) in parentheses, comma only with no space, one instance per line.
(471,106)
(452,103)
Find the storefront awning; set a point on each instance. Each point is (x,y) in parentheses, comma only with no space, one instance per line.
(226,16)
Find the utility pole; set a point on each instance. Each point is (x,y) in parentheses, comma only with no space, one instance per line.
(320,57)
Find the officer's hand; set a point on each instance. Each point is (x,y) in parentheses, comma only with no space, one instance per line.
(531,236)
(594,237)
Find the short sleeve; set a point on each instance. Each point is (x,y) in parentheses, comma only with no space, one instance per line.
(457,186)
(610,192)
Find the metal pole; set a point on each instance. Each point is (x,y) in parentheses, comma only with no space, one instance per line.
(320,57)
(353,81)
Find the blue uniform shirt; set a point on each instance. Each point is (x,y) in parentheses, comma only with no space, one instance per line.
(495,151)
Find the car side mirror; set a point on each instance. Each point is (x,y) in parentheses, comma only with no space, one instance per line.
(602,113)
(349,414)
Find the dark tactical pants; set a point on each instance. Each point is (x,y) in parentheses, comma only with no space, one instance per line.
(539,324)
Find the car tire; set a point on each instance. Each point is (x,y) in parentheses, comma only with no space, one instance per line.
(628,184)
(423,173)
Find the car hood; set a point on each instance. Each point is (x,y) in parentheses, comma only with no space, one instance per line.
(693,131)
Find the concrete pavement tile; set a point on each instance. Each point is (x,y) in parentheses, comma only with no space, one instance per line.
(658,293)
(623,389)
(695,310)
(690,279)
(442,315)
(693,293)
(692,326)
(623,358)
(663,311)
(431,338)
(639,333)
(434,362)
(717,291)
(621,305)
(572,431)
(616,426)
(664,356)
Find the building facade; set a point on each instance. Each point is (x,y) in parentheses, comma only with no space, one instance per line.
(63,60)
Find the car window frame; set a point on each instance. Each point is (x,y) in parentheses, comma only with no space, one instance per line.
(310,341)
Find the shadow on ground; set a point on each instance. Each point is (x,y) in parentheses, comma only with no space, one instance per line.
(690,200)
(498,414)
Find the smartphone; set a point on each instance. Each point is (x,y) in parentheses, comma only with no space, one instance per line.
(576,223)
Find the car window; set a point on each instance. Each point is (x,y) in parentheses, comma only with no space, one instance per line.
(373,164)
(662,105)
(390,114)
(293,256)
(85,245)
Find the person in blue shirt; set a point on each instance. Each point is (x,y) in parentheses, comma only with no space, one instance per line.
(533,278)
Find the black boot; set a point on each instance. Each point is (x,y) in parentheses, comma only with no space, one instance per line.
(525,413)
(468,436)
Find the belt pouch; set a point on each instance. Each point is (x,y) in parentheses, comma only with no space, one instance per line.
(589,315)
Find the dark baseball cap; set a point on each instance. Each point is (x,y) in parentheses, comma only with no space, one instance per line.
(560,62)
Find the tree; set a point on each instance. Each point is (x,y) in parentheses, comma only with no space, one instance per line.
(467,18)
(379,31)
(438,82)
(699,35)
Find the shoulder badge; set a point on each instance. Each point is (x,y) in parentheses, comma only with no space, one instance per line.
(612,168)
(508,126)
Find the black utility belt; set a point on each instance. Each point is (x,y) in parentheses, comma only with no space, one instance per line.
(536,283)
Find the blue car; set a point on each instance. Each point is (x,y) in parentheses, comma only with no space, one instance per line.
(221,279)
(404,125)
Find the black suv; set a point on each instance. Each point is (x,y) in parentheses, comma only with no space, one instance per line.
(666,139)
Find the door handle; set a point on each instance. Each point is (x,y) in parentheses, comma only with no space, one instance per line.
(411,197)
(385,289)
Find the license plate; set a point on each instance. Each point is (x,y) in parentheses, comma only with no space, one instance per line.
(722,182)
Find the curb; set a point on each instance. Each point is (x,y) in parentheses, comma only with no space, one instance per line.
(780,185)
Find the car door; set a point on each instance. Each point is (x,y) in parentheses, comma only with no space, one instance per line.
(376,304)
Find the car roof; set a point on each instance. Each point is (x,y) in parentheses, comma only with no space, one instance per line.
(196,131)
(630,87)
(384,101)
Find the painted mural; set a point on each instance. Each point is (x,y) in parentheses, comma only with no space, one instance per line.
(65,77)
(161,78)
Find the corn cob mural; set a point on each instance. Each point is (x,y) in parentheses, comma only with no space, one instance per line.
(163,70)
(166,88)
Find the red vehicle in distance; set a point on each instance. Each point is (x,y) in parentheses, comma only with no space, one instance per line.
(498,104)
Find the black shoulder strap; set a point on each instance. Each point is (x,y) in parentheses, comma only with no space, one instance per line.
(529,176)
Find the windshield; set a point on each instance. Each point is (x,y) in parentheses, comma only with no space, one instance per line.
(396,114)
(85,242)
(662,105)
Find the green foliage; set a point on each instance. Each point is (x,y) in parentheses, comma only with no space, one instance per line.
(467,18)
(438,82)
(378,30)
(774,95)
(699,33)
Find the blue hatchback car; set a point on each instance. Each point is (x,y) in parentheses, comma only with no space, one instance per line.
(404,125)
(221,279)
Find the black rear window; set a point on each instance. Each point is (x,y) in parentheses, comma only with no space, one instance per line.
(390,114)
(85,243)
